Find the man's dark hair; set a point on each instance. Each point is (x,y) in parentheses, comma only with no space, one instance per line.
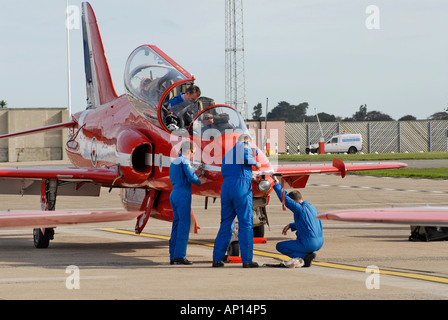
(194,89)
(295,195)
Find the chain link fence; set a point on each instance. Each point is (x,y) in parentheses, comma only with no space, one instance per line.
(378,136)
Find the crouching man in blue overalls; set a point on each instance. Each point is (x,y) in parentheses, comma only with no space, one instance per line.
(308,229)
(236,201)
(182,176)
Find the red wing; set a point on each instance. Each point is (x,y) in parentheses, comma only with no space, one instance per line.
(297,175)
(427,216)
(105,176)
(337,166)
(86,182)
(42,219)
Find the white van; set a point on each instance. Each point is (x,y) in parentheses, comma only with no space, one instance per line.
(341,143)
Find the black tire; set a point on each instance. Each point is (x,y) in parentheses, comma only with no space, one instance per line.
(234,249)
(42,240)
(259,231)
(352,150)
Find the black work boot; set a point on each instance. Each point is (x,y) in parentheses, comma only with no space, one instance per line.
(308,258)
(217,264)
(181,261)
(250,265)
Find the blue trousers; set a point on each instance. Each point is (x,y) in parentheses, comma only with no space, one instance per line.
(180,231)
(299,248)
(236,201)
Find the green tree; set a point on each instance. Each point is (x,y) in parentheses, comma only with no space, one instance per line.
(323,117)
(288,113)
(361,115)
(378,116)
(439,116)
(407,118)
(256,114)
(3,104)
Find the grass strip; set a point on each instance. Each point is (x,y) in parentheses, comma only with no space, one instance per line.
(418,173)
(365,157)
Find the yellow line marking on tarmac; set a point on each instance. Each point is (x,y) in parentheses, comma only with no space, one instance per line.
(283,257)
(385,272)
(134,234)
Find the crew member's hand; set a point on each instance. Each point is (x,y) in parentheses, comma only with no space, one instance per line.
(285,229)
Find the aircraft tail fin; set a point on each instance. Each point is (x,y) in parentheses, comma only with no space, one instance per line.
(100,88)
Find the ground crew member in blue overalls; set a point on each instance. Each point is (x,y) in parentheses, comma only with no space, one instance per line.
(182,176)
(236,201)
(308,229)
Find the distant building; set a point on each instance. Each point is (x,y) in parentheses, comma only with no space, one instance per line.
(36,147)
(274,136)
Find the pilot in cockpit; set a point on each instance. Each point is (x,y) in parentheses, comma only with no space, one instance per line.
(208,129)
(192,94)
(144,88)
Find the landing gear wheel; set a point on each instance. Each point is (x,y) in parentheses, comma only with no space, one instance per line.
(259,231)
(42,240)
(234,249)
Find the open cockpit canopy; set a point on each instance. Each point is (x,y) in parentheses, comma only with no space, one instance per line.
(148,74)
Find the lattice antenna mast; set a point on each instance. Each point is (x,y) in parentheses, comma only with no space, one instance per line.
(235,77)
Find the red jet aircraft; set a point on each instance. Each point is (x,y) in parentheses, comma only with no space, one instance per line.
(129,141)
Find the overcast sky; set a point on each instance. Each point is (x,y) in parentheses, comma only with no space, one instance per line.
(315,51)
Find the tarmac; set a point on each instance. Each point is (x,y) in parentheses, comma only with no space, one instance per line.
(359,261)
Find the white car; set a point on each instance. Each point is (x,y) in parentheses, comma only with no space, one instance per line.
(341,143)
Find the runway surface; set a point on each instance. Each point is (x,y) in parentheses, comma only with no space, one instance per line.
(108,261)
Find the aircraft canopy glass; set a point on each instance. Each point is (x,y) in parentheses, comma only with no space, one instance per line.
(148,74)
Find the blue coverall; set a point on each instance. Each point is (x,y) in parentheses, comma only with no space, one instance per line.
(236,200)
(176,100)
(182,176)
(309,228)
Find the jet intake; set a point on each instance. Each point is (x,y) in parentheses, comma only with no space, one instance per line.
(135,144)
(139,158)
